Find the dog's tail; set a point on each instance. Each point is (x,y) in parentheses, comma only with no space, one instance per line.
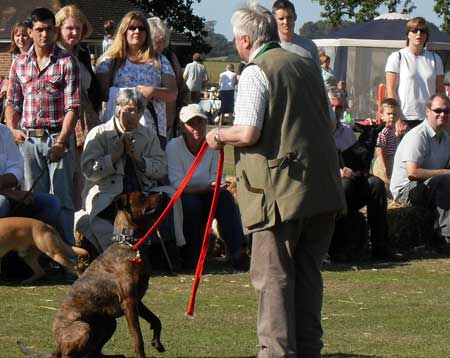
(31,353)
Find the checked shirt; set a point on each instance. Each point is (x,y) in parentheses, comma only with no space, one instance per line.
(43,97)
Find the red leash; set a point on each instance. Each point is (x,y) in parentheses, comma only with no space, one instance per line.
(175,196)
(212,211)
(205,244)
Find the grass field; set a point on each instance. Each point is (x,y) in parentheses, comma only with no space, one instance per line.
(371,311)
(215,68)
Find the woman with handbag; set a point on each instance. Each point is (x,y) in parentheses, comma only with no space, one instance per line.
(72,27)
(130,61)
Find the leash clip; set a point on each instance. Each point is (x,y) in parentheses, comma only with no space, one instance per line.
(137,259)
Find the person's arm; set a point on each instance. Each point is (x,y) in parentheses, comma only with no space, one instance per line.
(154,159)
(167,92)
(14,103)
(238,136)
(8,181)
(440,84)
(391,85)
(104,74)
(419,174)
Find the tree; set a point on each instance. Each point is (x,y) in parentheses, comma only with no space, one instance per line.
(179,16)
(317,30)
(336,11)
(442,8)
(221,47)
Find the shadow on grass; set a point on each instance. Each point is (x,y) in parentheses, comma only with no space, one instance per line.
(348,355)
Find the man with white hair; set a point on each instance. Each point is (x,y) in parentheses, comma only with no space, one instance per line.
(288,183)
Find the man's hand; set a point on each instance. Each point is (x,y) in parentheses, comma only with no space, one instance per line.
(57,152)
(118,151)
(346,172)
(401,127)
(131,151)
(19,136)
(211,141)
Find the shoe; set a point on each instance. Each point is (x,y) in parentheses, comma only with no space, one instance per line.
(387,254)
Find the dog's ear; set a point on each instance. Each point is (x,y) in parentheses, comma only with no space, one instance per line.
(121,201)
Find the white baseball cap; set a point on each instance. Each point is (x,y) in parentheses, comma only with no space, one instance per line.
(190,111)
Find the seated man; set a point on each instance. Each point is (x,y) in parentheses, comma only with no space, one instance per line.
(360,187)
(120,156)
(421,174)
(46,207)
(197,196)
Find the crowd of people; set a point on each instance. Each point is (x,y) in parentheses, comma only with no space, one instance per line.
(81,134)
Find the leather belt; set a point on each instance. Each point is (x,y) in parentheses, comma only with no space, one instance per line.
(40,132)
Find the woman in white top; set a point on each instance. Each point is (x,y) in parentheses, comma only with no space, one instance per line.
(227,81)
(197,196)
(413,74)
(130,61)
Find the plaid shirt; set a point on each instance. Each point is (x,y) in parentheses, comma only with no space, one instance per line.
(44,97)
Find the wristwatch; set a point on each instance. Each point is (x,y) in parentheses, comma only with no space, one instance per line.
(217,137)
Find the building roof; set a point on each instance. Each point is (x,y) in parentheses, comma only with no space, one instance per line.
(96,11)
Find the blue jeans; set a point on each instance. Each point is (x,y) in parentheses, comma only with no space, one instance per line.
(195,215)
(48,209)
(56,178)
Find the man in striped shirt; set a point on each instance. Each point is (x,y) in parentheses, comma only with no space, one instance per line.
(42,104)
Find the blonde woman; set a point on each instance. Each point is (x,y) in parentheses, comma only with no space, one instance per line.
(130,61)
(72,27)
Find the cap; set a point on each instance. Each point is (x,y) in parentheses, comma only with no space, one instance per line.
(190,111)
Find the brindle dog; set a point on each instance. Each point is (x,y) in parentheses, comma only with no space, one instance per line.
(112,286)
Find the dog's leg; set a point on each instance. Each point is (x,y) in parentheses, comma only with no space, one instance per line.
(130,309)
(31,259)
(155,325)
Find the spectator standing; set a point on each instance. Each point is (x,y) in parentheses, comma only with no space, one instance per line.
(286,16)
(130,61)
(413,74)
(72,27)
(421,174)
(287,180)
(387,141)
(109,28)
(42,112)
(20,43)
(160,34)
(227,83)
(197,196)
(329,79)
(195,76)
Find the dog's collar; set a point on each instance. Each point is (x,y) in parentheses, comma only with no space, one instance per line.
(124,235)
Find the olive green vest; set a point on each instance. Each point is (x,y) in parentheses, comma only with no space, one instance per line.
(292,171)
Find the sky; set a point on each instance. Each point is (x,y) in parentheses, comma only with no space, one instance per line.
(307,10)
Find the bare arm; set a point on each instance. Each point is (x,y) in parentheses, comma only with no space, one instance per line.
(415,173)
(237,136)
(12,119)
(167,92)
(440,84)
(8,181)
(391,85)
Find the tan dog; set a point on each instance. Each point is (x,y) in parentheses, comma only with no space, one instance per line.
(29,237)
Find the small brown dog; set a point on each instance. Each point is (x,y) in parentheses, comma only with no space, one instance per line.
(29,237)
(112,286)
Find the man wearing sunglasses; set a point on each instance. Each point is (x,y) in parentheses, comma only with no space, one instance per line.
(413,74)
(421,174)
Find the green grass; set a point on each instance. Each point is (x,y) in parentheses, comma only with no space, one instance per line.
(215,68)
(376,311)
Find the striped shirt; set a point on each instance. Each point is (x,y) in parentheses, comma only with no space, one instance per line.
(387,141)
(43,97)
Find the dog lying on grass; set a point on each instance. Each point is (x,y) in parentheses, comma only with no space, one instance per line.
(112,286)
(29,237)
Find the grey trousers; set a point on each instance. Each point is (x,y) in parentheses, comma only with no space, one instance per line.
(433,193)
(285,271)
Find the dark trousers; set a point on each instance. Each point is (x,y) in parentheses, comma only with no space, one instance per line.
(195,215)
(369,190)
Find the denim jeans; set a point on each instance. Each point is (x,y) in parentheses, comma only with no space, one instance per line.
(56,177)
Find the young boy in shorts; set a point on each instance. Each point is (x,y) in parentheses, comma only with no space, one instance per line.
(387,141)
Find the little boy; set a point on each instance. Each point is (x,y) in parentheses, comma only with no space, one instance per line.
(387,141)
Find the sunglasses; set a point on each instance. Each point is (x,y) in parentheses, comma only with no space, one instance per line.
(440,110)
(140,28)
(422,31)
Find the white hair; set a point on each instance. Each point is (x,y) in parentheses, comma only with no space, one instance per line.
(159,27)
(131,95)
(257,22)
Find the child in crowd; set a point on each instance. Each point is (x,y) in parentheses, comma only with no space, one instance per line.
(387,141)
